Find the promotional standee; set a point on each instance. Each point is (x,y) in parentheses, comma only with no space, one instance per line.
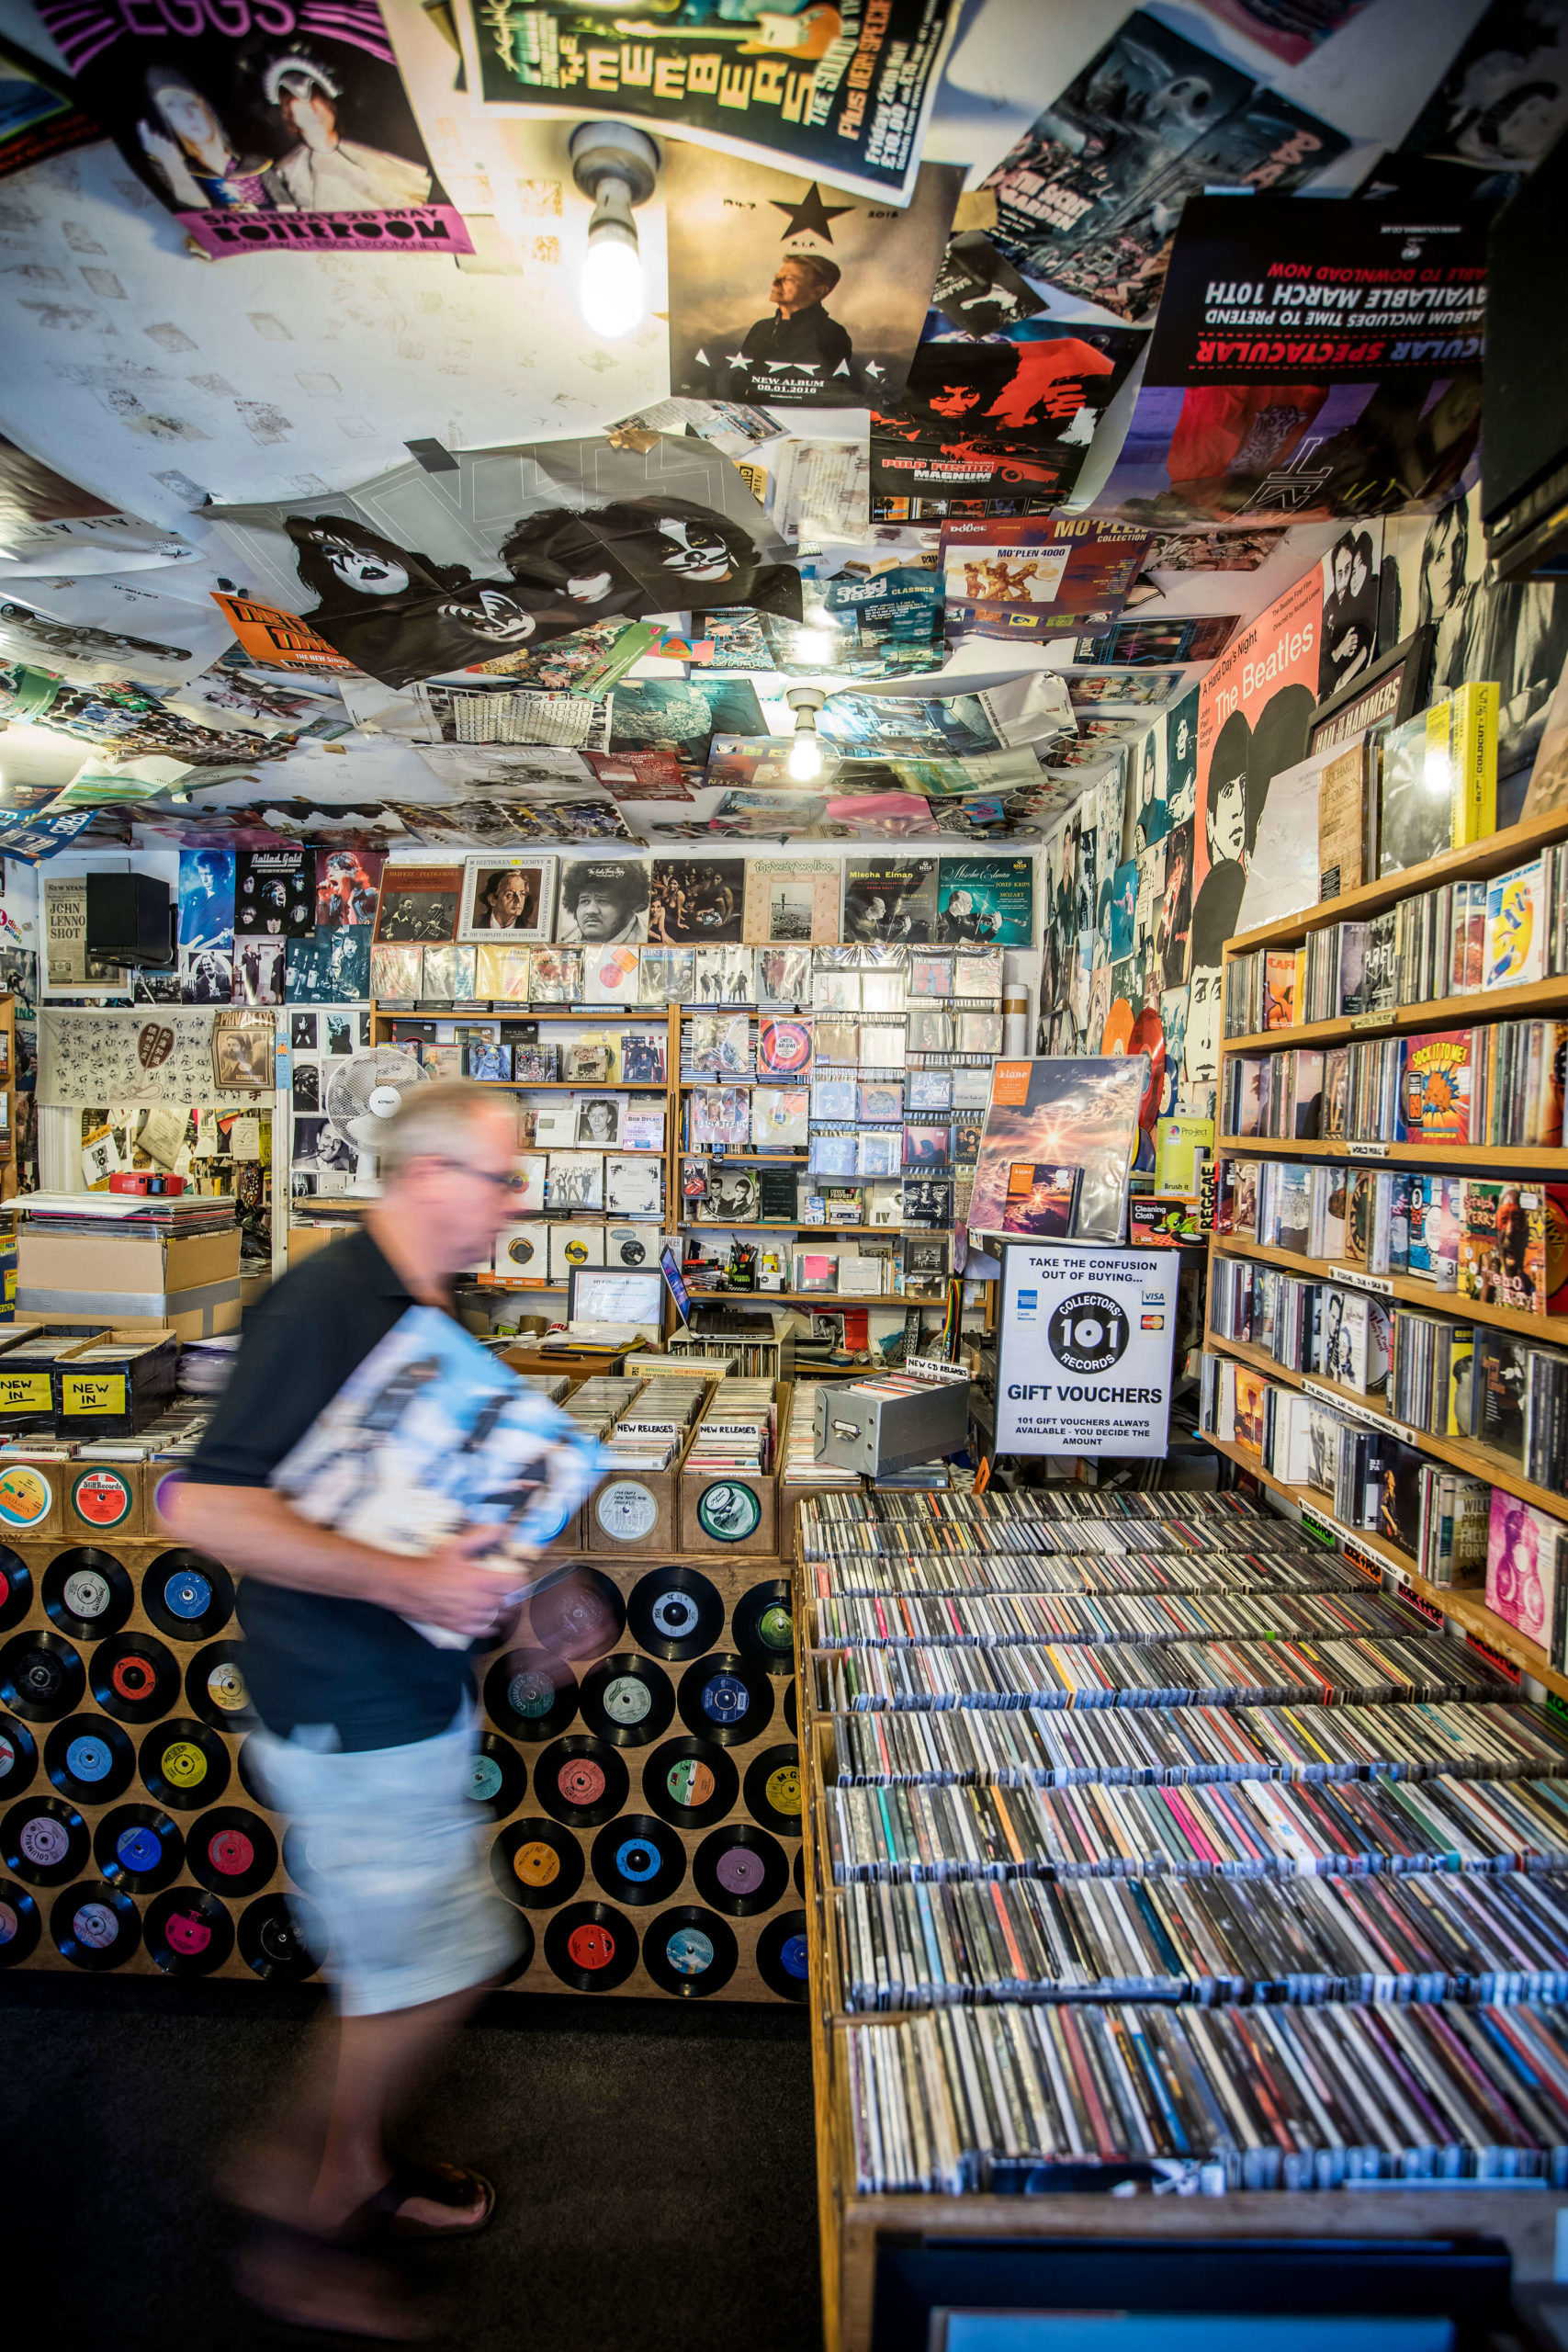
(1085,1353)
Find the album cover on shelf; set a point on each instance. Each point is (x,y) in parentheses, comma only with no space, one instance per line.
(503,975)
(634,1185)
(725,976)
(610,975)
(833,1098)
(697,899)
(790,900)
(1080,1114)
(417,904)
(784,975)
(783,1046)
(642,1057)
(780,1117)
(556,976)
(721,1115)
(574,1181)
(592,1059)
(889,899)
(880,1102)
(666,975)
(721,1043)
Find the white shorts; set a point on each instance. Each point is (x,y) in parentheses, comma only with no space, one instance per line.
(391,1858)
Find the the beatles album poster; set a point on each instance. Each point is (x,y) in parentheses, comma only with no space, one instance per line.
(784,292)
(262,126)
(416,574)
(1008,415)
(1090,195)
(843,90)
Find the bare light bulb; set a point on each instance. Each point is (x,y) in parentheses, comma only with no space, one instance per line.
(613,293)
(805,753)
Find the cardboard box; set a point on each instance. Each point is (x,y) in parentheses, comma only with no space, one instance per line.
(636,1510)
(31,1497)
(304,1240)
(190,1285)
(27,1365)
(748,1507)
(114,1389)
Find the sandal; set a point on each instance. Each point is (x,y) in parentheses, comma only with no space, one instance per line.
(449,2184)
(304,2281)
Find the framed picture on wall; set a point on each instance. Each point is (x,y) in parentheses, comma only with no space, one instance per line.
(507,898)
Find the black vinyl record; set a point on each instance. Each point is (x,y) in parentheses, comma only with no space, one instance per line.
(247,1764)
(581,1782)
(190,1933)
(44,1840)
(791,1709)
(674,1614)
(521,1929)
(798,1873)
(689,1952)
(498,1778)
(781,1956)
(135,1678)
(95,1925)
(139,1848)
(772,1790)
(216,1690)
(536,1863)
(41,1676)
(15,1588)
(637,1859)
(187,1596)
(86,1594)
(18,1756)
(89,1759)
(230,1852)
(20,1925)
(726,1699)
(581,1616)
(628,1699)
(281,1939)
(690,1782)
(530,1694)
(740,1871)
(184,1764)
(591,1947)
(762,1628)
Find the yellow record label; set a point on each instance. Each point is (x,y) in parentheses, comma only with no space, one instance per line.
(226,1688)
(25,1496)
(536,1864)
(782,1789)
(184,1764)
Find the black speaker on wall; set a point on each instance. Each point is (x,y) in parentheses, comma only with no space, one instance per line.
(130,919)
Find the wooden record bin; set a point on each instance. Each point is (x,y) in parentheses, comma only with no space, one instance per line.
(854,2228)
(631,1791)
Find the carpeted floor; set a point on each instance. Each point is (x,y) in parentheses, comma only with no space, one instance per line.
(655,2163)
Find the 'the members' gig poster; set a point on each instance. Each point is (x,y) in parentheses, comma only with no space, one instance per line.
(1308,360)
(1090,195)
(294,130)
(789,293)
(1009,417)
(845,90)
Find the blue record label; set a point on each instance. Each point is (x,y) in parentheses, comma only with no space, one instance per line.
(189,1594)
(689,1952)
(725,1698)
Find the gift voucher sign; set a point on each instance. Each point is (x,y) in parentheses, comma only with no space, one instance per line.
(1085,1365)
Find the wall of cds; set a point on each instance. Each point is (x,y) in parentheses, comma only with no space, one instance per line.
(637,1787)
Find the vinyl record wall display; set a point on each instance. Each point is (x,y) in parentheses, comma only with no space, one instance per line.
(188,1596)
(579,1618)
(763,1628)
(89,1759)
(740,1871)
(773,1791)
(139,1848)
(690,1953)
(281,1939)
(184,1765)
(216,1690)
(690,1782)
(628,1699)
(782,1956)
(536,1863)
(530,1694)
(581,1781)
(230,1851)
(638,1859)
(44,1840)
(591,1947)
(725,1698)
(20,1925)
(41,1676)
(498,1778)
(19,1757)
(16,1588)
(95,1925)
(674,1614)
(135,1678)
(188,1932)
(87,1594)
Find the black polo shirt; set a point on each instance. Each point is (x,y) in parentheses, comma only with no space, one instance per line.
(311,1659)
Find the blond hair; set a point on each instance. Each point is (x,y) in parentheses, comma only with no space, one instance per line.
(435,1120)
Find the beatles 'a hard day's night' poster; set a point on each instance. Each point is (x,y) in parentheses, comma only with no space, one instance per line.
(295,130)
(1307,360)
(845,90)
(783,291)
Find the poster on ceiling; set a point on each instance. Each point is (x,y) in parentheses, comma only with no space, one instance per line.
(415,574)
(789,293)
(292,129)
(36,122)
(1503,101)
(1038,580)
(845,90)
(1089,199)
(1308,360)
(1007,416)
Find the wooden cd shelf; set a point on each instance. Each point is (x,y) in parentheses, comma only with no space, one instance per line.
(1406,1289)
(1480,1006)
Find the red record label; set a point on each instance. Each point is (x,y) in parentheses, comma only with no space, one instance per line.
(581,1782)
(103,1497)
(231,1853)
(187,1933)
(591,1947)
(133,1678)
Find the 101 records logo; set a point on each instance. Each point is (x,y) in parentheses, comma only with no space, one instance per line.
(1087,1332)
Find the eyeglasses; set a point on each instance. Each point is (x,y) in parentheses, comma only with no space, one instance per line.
(509,1181)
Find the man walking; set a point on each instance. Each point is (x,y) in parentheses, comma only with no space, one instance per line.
(367,1727)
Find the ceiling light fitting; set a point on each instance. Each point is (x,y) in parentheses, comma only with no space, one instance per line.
(805,753)
(616,167)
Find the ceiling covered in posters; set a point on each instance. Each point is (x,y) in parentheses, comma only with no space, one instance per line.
(931,361)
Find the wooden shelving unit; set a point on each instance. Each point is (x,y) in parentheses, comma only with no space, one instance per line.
(1464,1610)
